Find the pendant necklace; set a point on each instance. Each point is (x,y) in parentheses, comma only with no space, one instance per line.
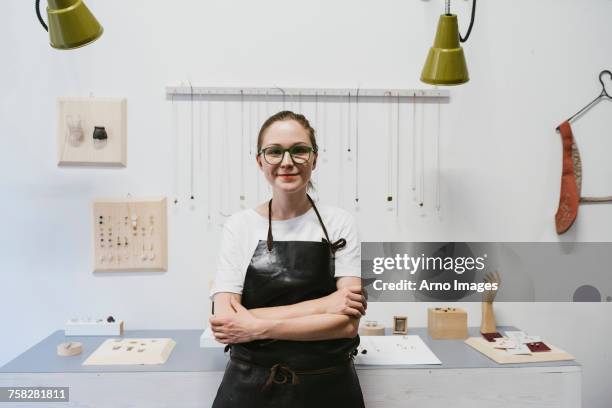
(389,152)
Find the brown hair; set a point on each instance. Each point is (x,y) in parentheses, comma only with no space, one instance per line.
(288,115)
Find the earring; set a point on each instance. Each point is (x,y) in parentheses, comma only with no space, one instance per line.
(143,257)
(100,137)
(76,135)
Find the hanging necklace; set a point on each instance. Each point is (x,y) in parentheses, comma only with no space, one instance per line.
(208,156)
(414,146)
(242,194)
(224,178)
(175,126)
(200,147)
(257,121)
(357,147)
(349,119)
(341,130)
(324,135)
(389,151)
(438,203)
(251,133)
(192,145)
(422,152)
(316,107)
(397,157)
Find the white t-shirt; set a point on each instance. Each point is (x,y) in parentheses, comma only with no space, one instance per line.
(243,231)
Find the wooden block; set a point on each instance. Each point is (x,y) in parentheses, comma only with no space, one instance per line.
(72,348)
(371,328)
(446,323)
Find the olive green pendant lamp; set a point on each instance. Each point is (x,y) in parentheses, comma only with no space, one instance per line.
(71,24)
(445,63)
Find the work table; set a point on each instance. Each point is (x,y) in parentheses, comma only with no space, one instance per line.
(192,374)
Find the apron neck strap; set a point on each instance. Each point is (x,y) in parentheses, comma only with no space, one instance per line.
(269,239)
(335,246)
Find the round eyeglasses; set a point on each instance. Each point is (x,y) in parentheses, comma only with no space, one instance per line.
(299,154)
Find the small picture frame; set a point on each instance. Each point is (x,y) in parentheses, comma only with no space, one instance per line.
(400,325)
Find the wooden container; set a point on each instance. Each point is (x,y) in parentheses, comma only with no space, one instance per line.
(445,323)
(371,328)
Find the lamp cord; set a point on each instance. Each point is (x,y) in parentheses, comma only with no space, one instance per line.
(469,31)
(40,16)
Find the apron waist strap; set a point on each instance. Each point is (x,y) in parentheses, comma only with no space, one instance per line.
(282,374)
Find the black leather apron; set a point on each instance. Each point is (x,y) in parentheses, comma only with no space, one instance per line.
(280,373)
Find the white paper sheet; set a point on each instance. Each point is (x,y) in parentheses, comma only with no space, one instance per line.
(392,350)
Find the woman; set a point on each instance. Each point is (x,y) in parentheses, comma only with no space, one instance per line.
(287,296)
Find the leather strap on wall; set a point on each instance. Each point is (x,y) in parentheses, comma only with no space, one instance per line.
(570,193)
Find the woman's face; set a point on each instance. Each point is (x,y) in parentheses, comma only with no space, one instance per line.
(287,176)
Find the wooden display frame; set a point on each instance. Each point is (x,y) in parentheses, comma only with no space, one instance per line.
(78,147)
(130,235)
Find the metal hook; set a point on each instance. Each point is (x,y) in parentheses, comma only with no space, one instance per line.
(283,92)
(190,89)
(604,91)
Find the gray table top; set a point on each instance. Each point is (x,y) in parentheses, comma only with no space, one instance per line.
(188,356)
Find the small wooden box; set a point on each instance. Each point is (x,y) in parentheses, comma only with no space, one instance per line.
(400,325)
(445,323)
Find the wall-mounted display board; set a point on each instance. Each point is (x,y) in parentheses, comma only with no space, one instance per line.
(130,235)
(92,131)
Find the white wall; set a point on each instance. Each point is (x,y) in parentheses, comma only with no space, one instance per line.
(533,63)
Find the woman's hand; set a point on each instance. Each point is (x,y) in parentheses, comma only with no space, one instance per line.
(347,301)
(240,327)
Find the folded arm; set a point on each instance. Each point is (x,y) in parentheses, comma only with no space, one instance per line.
(330,317)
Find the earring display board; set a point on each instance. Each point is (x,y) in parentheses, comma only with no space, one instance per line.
(503,357)
(92,131)
(130,235)
(131,351)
